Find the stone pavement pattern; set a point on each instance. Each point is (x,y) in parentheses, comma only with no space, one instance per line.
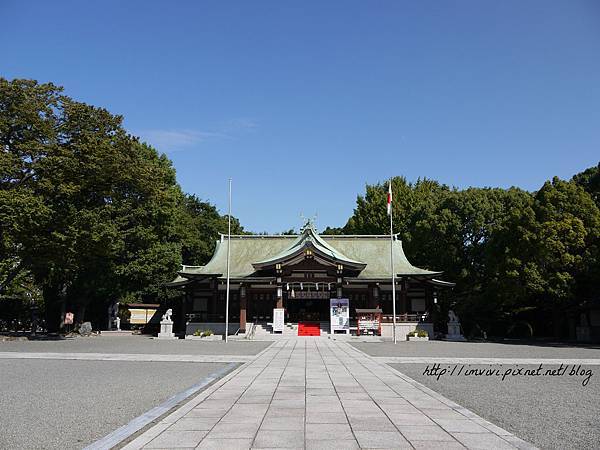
(316,393)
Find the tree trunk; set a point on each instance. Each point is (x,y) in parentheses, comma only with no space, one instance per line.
(557,322)
(53,306)
(80,317)
(10,277)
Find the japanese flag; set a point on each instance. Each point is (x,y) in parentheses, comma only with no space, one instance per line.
(389,198)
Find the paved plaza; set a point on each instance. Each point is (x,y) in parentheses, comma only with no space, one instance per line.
(136,392)
(416,352)
(68,393)
(551,412)
(68,404)
(321,394)
(144,346)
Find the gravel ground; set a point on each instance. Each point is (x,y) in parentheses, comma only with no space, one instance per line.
(478,349)
(69,404)
(551,412)
(136,344)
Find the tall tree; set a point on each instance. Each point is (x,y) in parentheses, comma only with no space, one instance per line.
(508,250)
(101,212)
(28,123)
(200,229)
(566,246)
(589,180)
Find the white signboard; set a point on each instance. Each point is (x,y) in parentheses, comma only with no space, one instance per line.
(278,320)
(339,313)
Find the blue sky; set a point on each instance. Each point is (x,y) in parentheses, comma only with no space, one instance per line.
(302,103)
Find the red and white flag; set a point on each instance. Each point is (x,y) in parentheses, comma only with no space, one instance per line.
(389,198)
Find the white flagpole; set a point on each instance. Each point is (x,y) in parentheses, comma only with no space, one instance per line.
(228,258)
(392,264)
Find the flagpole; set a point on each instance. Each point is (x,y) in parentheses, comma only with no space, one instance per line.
(228,259)
(392,264)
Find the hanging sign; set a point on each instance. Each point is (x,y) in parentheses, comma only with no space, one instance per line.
(339,310)
(278,320)
(311,294)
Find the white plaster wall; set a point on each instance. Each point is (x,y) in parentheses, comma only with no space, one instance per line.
(215,327)
(403,328)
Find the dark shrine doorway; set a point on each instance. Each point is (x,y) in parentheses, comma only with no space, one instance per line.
(307,309)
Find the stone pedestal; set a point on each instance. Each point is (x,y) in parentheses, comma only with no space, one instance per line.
(583,334)
(454,333)
(166,330)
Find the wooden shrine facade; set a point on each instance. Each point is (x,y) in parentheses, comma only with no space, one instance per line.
(301,273)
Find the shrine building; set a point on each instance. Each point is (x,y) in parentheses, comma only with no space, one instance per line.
(301,274)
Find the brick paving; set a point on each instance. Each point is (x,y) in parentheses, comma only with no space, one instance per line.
(316,393)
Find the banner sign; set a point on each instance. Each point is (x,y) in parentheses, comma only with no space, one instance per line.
(278,320)
(339,309)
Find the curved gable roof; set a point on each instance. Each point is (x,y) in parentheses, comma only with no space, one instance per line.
(310,239)
(247,250)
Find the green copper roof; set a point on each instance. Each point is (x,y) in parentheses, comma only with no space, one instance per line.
(178,281)
(309,238)
(251,251)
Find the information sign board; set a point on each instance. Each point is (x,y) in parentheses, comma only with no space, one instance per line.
(339,310)
(278,320)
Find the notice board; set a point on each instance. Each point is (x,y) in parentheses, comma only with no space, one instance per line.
(339,310)
(278,320)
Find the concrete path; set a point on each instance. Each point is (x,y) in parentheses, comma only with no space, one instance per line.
(145,357)
(484,361)
(313,393)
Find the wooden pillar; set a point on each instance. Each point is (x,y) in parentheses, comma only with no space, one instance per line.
(185,299)
(340,281)
(279,291)
(214,300)
(279,296)
(377,295)
(431,306)
(243,304)
(373,296)
(403,296)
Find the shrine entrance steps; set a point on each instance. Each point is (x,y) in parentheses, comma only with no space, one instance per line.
(264,330)
(309,329)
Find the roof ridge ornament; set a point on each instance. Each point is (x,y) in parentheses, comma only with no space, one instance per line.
(309,223)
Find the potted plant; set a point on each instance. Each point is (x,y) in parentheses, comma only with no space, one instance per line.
(418,335)
(207,335)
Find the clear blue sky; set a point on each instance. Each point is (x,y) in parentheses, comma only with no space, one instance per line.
(302,103)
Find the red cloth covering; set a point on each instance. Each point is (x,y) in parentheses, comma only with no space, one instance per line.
(309,329)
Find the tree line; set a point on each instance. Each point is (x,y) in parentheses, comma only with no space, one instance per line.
(522,261)
(89,215)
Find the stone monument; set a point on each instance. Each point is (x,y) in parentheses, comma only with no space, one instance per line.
(583,330)
(113,313)
(85,329)
(166,326)
(454,333)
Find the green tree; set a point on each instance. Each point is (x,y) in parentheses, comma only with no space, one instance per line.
(89,210)
(27,128)
(589,180)
(200,228)
(566,255)
(508,251)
